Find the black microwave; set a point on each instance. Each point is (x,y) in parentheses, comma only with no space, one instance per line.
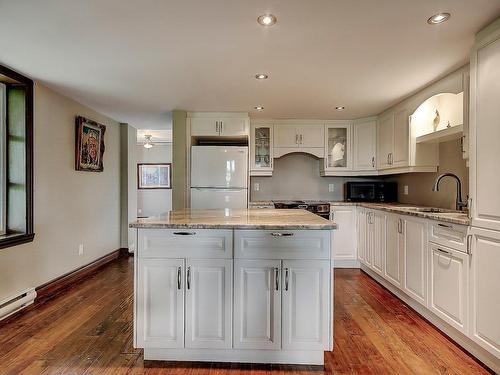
(360,191)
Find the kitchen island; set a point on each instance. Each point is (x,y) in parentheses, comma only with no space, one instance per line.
(251,286)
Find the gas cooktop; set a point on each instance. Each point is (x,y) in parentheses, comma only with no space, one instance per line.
(319,208)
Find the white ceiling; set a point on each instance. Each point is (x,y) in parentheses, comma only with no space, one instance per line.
(137,60)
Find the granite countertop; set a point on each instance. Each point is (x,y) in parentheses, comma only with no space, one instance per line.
(444,215)
(236,219)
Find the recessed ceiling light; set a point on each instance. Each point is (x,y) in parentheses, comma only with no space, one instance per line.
(438,18)
(261,76)
(340,108)
(258,108)
(267,20)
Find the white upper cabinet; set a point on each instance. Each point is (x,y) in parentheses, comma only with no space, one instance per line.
(306,287)
(400,156)
(385,141)
(365,145)
(208,303)
(338,147)
(261,149)
(485,131)
(207,124)
(257,304)
(295,137)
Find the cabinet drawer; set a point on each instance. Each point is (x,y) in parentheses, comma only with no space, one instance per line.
(185,243)
(451,235)
(279,244)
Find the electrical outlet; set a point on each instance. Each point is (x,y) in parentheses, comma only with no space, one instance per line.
(256,186)
(80,249)
(139,211)
(406,189)
(331,188)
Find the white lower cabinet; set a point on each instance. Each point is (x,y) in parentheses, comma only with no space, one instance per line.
(362,232)
(208,303)
(415,258)
(344,237)
(305,310)
(257,304)
(484,287)
(160,303)
(394,250)
(448,285)
(378,241)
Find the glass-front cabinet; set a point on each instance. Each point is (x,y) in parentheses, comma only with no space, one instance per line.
(338,147)
(261,150)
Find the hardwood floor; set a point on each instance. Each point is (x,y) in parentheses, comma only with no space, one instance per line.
(88,330)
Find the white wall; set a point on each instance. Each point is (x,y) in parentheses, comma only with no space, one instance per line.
(155,201)
(71,207)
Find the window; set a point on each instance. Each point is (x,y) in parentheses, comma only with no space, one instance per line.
(16,158)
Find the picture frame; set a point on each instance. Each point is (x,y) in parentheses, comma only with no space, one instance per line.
(154,176)
(89,145)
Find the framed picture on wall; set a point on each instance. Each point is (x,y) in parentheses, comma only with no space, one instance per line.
(89,147)
(154,176)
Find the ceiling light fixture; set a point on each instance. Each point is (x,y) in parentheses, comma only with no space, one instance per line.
(438,18)
(267,19)
(147,142)
(259,108)
(340,108)
(261,76)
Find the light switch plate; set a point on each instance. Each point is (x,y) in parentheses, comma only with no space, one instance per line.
(406,190)
(331,188)
(256,186)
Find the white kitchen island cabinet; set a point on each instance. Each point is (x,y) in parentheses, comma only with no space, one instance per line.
(249,286)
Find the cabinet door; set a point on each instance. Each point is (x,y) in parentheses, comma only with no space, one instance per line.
(261,150)
(208,303)
(344,237)
(394,256)
(448,283)
(378,223)
(415,257)
(160,303)
(485,280)
(361,218)
(337,143)
(485,133)
(385,141)
(286,136)
(365,143)
(311,135)
(204,127)
(370,239)
(257,304)
(233,127)
(306,317)
(401,154)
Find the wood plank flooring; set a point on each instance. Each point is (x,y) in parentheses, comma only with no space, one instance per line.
(88,330)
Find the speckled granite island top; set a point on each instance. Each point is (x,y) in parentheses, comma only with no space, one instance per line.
(236,219)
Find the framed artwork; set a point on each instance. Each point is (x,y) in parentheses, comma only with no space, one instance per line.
(89,145)
(154,176)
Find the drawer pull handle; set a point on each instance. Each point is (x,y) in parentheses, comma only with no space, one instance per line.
(469,250)
(184,233)
(286,279)
(444,252)
(179,278)
(189,278)
(277,278)
(278,234)
(445,225)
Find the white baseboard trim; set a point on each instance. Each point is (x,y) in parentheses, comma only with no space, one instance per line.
(295,357)
(346,263)
(458,337)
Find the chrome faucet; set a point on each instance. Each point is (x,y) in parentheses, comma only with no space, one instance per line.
(459,204)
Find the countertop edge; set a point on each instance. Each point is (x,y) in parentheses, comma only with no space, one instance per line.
(233,226)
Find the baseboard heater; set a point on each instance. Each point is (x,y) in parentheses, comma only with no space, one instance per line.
(13,304)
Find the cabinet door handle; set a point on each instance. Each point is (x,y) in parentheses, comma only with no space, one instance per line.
(388,159)
(296,138)
(373,161)
(221,130)
(277,278)
(445,225)
(469,249)
(189,278)
(184,233)
(444,251)
(217,127)
(400,226)
(278,234)
(300,139)
(286,279)
(179,278)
